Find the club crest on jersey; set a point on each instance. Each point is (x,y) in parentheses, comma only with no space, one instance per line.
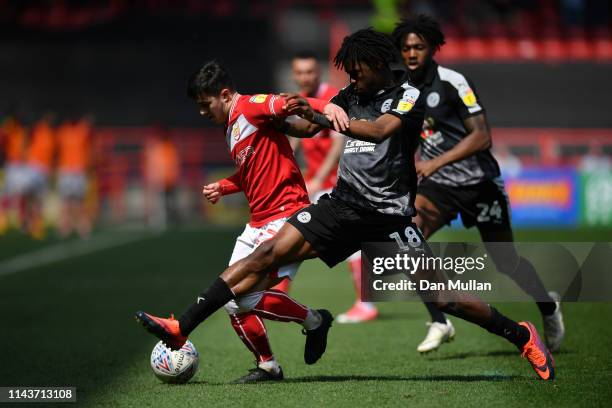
(404,106)
(304,217)
(236,131)
(433,99)
(386,105)
(260,98)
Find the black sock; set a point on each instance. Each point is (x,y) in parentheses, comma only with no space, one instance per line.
(435,313)
(508,329)
(208,302)
(527,278)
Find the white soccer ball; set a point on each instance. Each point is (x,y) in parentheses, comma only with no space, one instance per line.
(175,367)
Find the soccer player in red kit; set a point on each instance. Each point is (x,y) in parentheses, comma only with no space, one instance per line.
(273,185)
(321,154)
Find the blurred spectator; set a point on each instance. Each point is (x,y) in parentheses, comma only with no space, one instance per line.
(73,140)
(13,146)
(595,161)
(38,166)
(509,164)
(161,175)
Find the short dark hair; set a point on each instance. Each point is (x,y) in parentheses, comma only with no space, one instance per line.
(209,80)
(367,46)
(305,54)
(422,25)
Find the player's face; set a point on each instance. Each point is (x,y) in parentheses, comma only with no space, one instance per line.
(306,74)
(215,108)
(415,52)
(366,81)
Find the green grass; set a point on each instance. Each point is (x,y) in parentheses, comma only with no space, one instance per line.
(70,323)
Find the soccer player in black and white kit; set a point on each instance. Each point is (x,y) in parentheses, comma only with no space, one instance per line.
(374,196)
(460,175)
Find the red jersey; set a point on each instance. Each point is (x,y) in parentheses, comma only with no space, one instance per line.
(316,148)
(267,171)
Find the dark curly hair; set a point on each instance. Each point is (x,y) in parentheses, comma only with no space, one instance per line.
(422,25)
(366,46)
(209,80)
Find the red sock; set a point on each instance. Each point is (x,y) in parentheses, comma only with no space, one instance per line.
(283,286)
(355,268)
(252,331)
(276,305)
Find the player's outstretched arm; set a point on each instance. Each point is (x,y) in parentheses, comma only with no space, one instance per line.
(214,191)
(376,132)
(477,140)
(317,111)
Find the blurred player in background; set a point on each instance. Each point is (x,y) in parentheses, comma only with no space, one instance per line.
(459,175)
(40,155)
(273,185)
(74,145)
(13,142)
(321,154)
(162,170)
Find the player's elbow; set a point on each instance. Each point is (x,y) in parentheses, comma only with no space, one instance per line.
(484,137)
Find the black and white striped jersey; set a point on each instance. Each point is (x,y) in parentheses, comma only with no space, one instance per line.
(381,177)
(450,98)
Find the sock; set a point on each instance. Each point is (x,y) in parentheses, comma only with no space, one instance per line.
(283,286)
(354,264)
(275,305)
(211,300)
(270,366)
(528,279)
(435,313)
(508,329)
(252,331)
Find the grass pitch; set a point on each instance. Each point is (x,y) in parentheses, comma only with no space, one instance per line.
(70,323)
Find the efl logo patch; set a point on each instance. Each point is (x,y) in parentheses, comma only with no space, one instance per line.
(405,106)
(260,98)
(304,217)
(469,99)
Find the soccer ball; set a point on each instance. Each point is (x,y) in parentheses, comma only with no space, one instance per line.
(175,367)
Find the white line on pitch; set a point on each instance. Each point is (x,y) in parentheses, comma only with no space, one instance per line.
(63,251)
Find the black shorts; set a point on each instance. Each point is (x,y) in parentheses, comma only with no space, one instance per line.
(337,230)
(484,205)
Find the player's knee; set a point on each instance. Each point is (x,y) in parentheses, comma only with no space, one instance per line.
(243,304)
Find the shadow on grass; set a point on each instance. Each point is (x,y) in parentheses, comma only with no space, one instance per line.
(494,353)
(386,378)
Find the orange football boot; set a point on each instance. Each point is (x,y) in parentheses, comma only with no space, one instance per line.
(538,355)
(167,330)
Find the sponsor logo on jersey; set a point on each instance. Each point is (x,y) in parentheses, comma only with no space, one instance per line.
(358,146)
(244,154)
(304,217)
(433,99)
(386,105)
(260,98)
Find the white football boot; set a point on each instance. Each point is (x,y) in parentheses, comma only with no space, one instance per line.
(554,329)
(438,333)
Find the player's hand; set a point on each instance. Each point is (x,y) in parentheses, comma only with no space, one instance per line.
(313,187)
(426,168)
(297,105)
(337,116)
(212,192)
